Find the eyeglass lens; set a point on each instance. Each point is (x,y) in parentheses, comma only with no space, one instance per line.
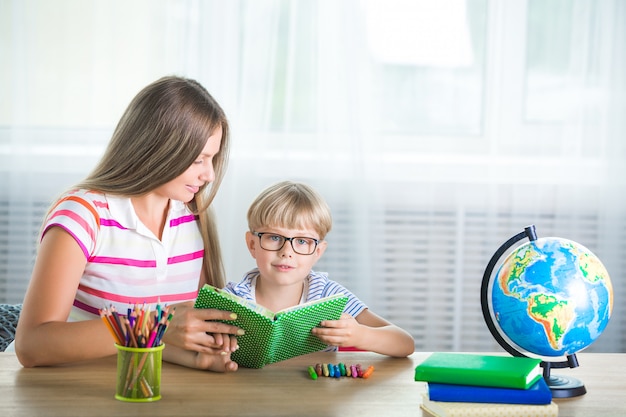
(300,245)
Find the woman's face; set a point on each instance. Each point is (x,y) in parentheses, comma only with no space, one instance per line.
(200,172)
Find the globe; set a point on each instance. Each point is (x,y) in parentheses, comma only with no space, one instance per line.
(550,297)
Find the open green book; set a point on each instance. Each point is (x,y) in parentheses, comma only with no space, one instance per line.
(272,337)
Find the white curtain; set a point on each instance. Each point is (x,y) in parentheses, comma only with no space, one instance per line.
(436,130)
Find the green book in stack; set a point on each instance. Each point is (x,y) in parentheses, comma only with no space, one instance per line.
(272,336)
(479,370)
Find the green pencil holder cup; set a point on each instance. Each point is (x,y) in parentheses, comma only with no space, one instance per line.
(138,373)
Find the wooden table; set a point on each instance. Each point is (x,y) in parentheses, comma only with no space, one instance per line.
(281,389)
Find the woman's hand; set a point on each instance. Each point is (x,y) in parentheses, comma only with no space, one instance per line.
(216,363)
(194,329)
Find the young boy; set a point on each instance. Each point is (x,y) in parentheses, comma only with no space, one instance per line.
(288,223)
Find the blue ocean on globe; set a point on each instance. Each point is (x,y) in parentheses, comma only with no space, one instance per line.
(552,297)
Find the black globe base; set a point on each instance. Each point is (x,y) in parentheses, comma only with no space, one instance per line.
(565,387)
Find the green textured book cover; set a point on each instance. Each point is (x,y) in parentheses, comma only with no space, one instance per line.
(480,370)
(272,337)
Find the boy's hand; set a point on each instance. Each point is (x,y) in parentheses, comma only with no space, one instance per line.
(342,332)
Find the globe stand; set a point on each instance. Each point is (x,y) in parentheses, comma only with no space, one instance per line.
(561,386)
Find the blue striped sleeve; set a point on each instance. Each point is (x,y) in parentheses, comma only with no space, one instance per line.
(321,286)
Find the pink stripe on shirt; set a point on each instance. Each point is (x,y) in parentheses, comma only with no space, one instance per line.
(183,219)
(122,261)
(162,298)
(78,241)
(185,257)
(112,223)
(77,219)
(85,307)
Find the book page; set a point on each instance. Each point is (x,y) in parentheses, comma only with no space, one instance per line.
(293,326)
(309,303)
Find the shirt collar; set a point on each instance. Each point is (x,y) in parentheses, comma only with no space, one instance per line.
(123,212)
(246,288)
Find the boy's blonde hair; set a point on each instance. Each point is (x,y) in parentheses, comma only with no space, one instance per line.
(290,205)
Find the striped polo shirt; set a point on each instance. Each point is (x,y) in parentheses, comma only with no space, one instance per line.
(126,263)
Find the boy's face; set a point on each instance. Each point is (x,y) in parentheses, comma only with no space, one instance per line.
(284,267)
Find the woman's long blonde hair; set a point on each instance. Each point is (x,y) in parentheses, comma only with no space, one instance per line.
(161,133)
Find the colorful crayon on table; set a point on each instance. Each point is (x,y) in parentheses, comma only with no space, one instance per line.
(368,372)
(339,370)
(342,369)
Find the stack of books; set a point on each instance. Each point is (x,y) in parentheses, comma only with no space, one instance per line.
(464,384)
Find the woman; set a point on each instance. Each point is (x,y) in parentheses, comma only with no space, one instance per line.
(139,229)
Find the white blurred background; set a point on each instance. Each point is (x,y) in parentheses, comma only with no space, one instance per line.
(436,130)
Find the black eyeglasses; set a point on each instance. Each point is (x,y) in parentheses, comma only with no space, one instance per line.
(275,242)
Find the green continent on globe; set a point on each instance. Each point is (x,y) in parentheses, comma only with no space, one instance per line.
(554,315)
(551,297)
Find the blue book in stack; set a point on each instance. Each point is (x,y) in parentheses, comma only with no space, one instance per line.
(538,393)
